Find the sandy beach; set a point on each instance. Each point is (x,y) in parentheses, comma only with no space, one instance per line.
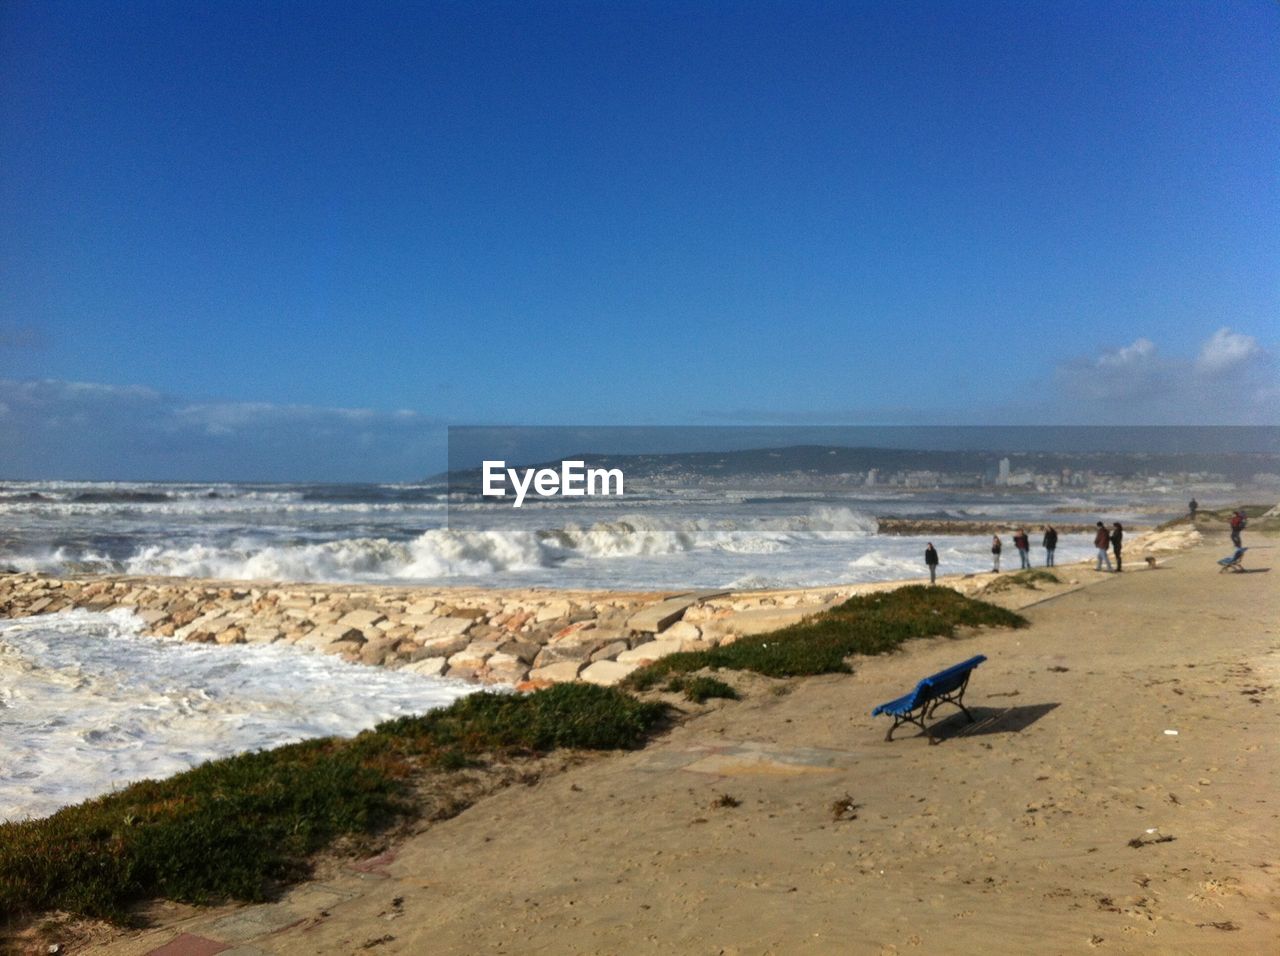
(1119,791)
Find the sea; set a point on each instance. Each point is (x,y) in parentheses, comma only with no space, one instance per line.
(88,704)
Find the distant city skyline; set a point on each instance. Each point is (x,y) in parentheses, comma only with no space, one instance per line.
(295,241)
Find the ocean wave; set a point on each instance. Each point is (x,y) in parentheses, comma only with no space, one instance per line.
(450,553)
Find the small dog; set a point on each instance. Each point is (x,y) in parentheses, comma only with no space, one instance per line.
(1151,562)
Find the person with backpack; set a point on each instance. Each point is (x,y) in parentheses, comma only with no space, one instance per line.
(931,559)
(1238,522)
(1023,544)
(1050,544)
(995,554)
(1102,541)
(1117,539)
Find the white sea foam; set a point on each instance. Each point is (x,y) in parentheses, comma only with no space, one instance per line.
(87,704)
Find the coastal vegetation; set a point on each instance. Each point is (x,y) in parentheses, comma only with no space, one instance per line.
(237,827)
(701,688)
(865,624)
(1030,579)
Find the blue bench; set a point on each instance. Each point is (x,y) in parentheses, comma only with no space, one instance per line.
(944,687)
(1233,562)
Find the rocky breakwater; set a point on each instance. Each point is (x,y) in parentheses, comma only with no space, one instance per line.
(922,526)
(527,638)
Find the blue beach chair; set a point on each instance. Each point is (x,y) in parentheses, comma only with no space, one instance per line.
(944,687)
(1232,562)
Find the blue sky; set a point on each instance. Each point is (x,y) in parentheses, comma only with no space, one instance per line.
(294,240)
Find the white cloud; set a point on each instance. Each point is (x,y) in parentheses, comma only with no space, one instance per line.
(1134,372)
(1138,384)
(1141,353)
(1227,351)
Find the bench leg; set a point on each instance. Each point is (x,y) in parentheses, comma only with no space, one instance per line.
(918,721)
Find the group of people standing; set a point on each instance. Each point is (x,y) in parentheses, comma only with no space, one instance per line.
(1023,545)
(1113,539)
(1107,543)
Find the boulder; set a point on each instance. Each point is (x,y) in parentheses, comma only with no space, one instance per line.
(363,620)
(606,673)
(210,623)
(516,621)
(578,631)
(556,609)
(443,646)
(609,651)
(526,651)
(682,631)
(559,673)
(348,649)
(428,667)
(506,668)
(375,652)
(470,658)
(444,627)
(327,634)
(557,653)
(262,634)
(650,652)
(231,635)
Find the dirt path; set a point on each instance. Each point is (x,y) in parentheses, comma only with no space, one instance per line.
(1017,834)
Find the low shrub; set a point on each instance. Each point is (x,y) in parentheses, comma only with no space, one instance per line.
(231,828)
(702,688)
(1029,579)
(866,624)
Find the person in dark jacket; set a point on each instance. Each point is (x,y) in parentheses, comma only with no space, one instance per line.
(996,547)
(1050,545)
(1238,523)
(1117,539)
(1023,544)
(931,559)
(1193,507)
(1101,541)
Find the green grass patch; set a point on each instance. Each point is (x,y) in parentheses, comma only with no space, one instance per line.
(868,624)
(700,689)
(234,828)
(1030,579)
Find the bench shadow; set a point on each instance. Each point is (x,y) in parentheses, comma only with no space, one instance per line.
(991,720)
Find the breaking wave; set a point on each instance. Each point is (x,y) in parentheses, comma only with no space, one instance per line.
(444,553)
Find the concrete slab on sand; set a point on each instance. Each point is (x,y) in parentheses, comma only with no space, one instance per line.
(658,617)
(749,759)
(761,620)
